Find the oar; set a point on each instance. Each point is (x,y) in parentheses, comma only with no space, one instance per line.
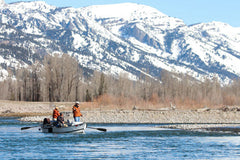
(23,128)
(100,129)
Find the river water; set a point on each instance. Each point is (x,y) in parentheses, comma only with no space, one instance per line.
(121,141)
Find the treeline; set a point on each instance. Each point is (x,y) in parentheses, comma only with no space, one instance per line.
(59,78)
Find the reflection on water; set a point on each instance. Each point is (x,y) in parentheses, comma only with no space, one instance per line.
(121,141)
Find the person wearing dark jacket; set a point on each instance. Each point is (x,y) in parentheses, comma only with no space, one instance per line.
(60,121)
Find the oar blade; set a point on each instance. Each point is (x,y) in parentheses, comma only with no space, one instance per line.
(102,129)
(23,128)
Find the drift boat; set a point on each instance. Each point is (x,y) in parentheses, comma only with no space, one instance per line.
(71,127)
(52,127)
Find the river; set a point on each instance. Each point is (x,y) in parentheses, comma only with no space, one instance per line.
(121,141)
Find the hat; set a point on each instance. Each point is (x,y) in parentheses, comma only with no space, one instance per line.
(77,102)
(56,108)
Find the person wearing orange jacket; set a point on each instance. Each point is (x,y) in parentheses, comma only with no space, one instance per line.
(76,112)
(55,113)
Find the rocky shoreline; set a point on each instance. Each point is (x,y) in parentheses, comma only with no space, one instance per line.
(145,116)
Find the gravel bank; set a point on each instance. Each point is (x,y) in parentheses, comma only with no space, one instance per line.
(187,119)
(142,116)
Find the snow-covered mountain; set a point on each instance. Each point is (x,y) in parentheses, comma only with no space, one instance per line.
(121,38)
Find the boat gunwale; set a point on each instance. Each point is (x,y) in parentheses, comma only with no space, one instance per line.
(75,128)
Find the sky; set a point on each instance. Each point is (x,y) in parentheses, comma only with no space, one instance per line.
(190,11)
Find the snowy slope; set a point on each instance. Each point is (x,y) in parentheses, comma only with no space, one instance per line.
(121,38)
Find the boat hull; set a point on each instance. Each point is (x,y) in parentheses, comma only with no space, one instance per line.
(74,127)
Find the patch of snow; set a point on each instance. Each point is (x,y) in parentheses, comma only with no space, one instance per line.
(78,41)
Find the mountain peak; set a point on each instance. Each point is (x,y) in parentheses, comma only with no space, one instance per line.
(123,10)
(22,7)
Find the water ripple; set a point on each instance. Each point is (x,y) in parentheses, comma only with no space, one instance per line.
(122,141)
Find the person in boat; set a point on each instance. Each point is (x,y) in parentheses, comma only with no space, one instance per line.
(76,112)
(56,113)
(60,121)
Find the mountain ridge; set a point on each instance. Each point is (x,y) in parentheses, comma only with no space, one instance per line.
(144,42)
